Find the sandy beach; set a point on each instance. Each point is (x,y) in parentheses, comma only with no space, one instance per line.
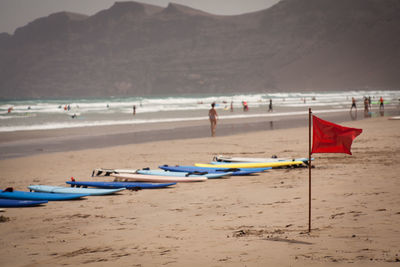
(258,220)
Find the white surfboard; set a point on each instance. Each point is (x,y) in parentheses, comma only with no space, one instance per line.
(132,177)
(108,172)
(224,159)
(395,118)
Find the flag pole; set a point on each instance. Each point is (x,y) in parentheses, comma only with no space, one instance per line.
(309,170)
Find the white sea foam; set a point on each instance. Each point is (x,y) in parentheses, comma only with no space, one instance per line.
(51,114)
(75,124)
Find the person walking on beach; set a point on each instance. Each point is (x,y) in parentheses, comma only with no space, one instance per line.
(353,104)
(134,110)
(369,102)
(245,106)
(381,103)
(213,115)
(366,105)
(367,113)
(270,105)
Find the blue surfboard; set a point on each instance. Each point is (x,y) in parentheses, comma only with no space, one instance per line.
(15,203)
(127,185)
(23,195)
(70,190)
(194,169)
(185,174)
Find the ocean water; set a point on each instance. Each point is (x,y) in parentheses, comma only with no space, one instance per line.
(43,114)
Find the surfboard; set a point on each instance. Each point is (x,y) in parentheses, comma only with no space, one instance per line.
(127,185)
(23,195)
(254,165)
(184,174)
(194,169)
(14,203)
(231,163)
(108,172)
(224,159)
(70,190)
(156,178)
(395,118)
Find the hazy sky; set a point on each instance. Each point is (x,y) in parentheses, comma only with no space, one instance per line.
(18,13)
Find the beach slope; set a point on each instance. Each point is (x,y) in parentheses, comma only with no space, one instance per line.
(258,220)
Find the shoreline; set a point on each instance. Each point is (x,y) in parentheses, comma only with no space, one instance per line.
(27,143)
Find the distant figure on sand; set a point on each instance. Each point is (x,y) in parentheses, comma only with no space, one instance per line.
(366,105)
(212,114)
(381,103)
(369,102)
(134,110)
(245,106)
(231,106)
(353,104)
(270,105)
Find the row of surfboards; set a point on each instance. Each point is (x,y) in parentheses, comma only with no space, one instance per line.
(220,167)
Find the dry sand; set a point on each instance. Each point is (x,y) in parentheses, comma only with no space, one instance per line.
(257,220)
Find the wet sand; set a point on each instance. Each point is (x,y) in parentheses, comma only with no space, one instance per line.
(26,143)
(259,220)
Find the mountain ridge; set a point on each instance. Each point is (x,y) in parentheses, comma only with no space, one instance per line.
(140,49)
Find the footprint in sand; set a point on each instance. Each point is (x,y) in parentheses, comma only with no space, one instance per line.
(333,216)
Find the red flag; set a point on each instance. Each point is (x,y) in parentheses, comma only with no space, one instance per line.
(332,138)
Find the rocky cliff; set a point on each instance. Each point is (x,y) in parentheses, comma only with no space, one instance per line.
(139,49)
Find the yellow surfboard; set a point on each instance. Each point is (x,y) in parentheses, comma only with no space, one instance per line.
(252,165)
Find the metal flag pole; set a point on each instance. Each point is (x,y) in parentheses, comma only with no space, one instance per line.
(309,169)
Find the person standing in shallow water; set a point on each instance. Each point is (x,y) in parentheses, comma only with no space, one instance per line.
(353,104)
(381,103)
(213,115)
(366,105)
